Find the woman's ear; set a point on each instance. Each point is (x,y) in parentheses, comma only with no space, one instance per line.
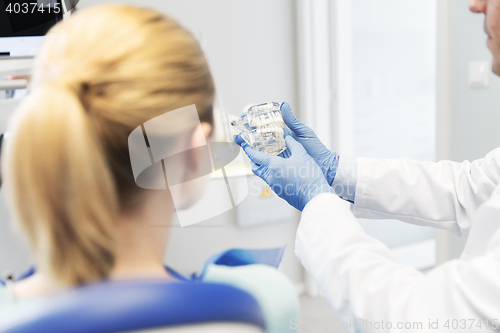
(200,137)
(207,130)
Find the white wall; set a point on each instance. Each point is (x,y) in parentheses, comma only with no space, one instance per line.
(475,112)
(251,48)
(250,43)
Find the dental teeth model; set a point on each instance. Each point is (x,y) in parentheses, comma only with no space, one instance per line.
(262,128)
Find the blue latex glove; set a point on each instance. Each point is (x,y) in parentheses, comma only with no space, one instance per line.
(328,161)
(297,179)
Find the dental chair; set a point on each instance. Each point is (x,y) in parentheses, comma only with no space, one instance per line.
(146,307)
(238,290)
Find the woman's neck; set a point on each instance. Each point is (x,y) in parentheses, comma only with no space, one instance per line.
(142,238)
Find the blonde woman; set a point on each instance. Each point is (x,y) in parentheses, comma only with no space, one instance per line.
(67,169)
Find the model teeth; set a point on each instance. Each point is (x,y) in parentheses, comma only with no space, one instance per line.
(262,127)
(264,119)
(271,131)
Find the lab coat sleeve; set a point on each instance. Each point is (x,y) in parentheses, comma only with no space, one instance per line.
(344,183)
(442,195)
(363,282)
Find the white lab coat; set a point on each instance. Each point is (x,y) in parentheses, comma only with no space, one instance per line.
(362,280)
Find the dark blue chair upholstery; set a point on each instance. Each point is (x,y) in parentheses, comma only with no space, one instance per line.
(121,306)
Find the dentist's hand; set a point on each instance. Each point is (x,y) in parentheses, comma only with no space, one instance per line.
(297,179)
(328,161)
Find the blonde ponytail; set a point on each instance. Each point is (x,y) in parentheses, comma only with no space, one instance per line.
(60,182)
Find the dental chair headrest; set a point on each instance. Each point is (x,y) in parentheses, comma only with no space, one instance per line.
(123,306)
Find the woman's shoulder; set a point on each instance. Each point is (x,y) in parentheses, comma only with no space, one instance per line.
(275,293)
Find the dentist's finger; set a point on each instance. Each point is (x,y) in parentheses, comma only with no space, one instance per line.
(256,156)
(294,146)
(293,123)
(238,140)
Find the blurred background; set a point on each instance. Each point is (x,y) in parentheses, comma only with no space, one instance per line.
(384,78)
